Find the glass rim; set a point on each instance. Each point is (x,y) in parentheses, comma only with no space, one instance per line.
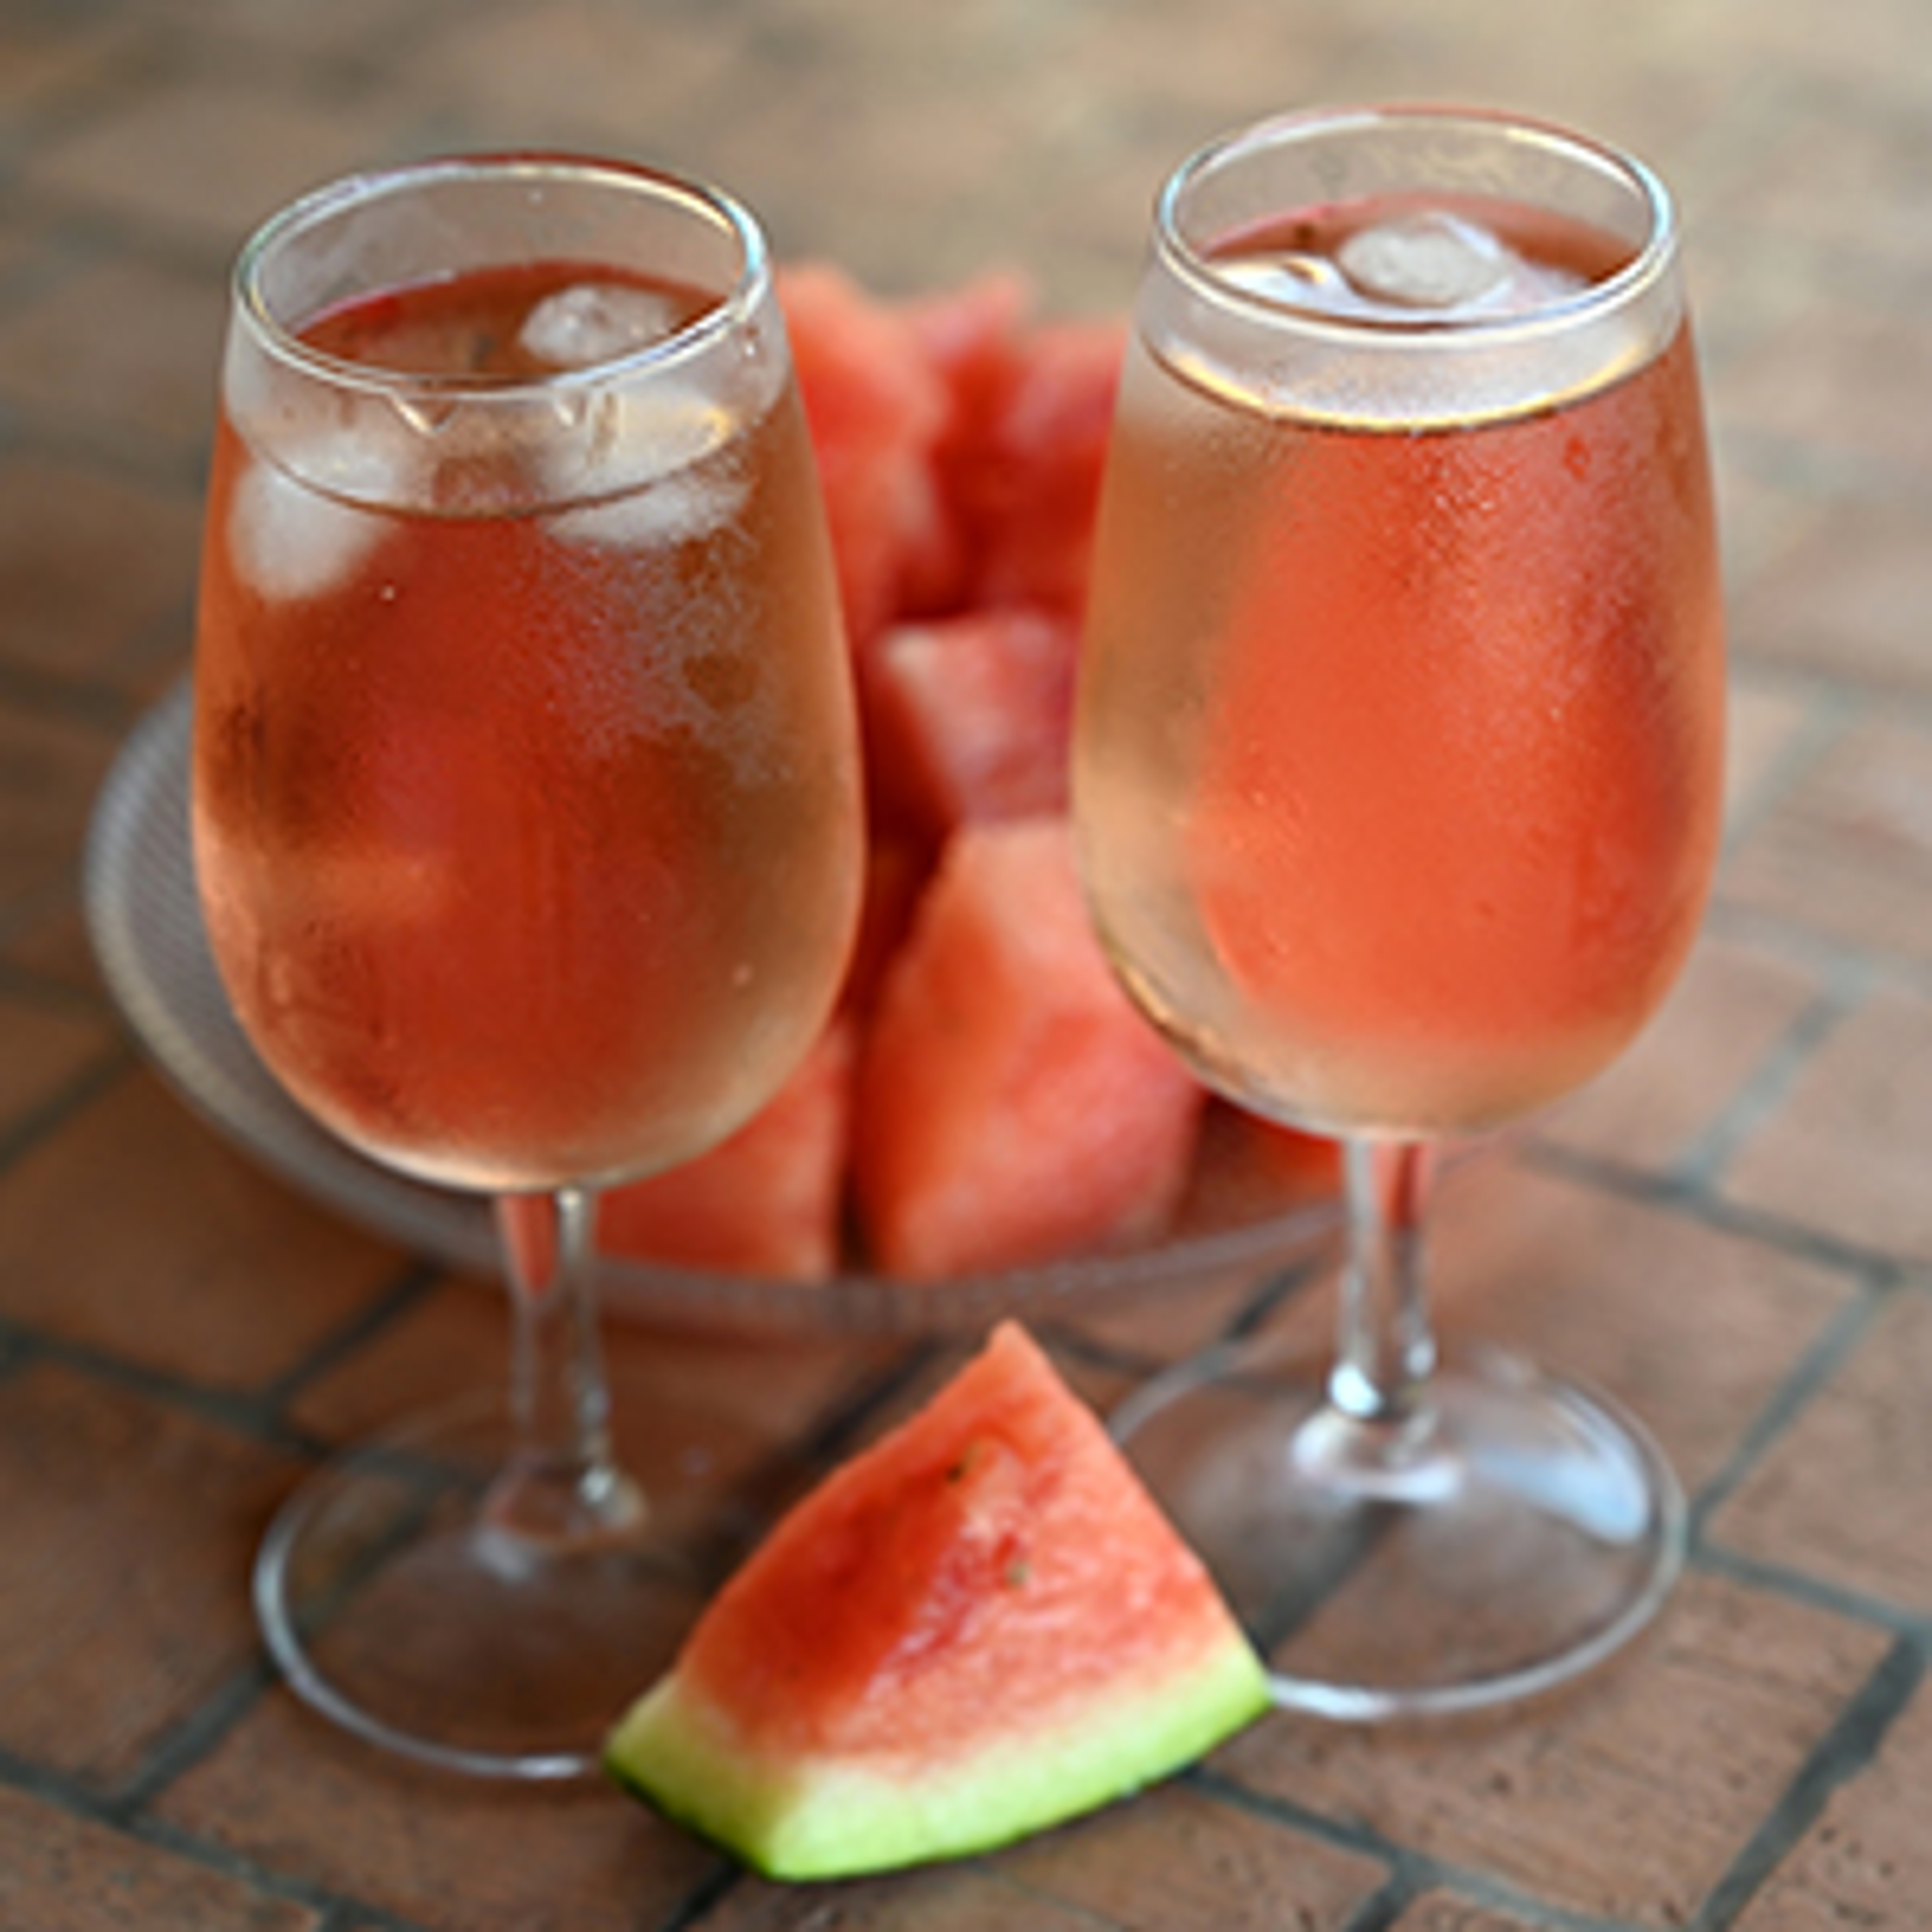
(280,339)
(1653,260)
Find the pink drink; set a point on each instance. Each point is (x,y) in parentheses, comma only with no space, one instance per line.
(524,798)
(1401,742)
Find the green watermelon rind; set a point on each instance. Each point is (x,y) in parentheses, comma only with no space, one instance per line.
(824,1819)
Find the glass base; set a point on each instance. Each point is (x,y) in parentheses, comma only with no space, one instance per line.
(1515,1534)
(396,1604)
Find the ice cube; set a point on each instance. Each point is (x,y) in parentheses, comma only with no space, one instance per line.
(1374,276)
(591,322)
(647,469)
(1301,281)
(673,512)
(288,540)
(1431,259)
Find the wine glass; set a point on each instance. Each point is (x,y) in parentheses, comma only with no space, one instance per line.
(527,832)
(1397,779)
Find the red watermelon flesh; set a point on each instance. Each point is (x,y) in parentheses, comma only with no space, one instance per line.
(876,405)
(768,1201)
(979,1626)
(971,335)
(1028,488)
(1298,1163)
(1013,1106)
(896,869)
(973,713)
(975,337)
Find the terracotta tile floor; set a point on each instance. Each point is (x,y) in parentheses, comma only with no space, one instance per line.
(1733,1231)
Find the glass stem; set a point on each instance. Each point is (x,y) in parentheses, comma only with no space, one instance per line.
(562,1484)
(1386,1353)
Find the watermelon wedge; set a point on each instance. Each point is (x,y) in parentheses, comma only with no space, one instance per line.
(1013,1106)
(1027,488)
(876,407)
(975,712)
(980,1626)
(767,1200)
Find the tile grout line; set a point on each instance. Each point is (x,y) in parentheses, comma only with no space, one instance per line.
(1275,1285)
(1498,1895)
(1829,711)
(1701,1166)
(237,1412)
(1063,1905)
(103,1071)
(1818,952)
(1293,1279)
(72,1796)
(1877,1279)
(1850,1745)
(1798,1586)
(255,1415)
(191,1739)
(711,1890)
(1381,1911)
(832,1435)
(332,1907)
(409,1286)
(1420,1871)
(1827,1352)
(1670,1194)
(345,1917)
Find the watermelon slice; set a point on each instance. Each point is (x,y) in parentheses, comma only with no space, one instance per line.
(876,407)
(1013,1106)
(1298,1166)
(974,712)
(1027,486)
(979,1627)
(768,1201)
(972,335)
(896,869)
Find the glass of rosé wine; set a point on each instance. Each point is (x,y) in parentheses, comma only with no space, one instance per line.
(527,831)
(1397,776)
